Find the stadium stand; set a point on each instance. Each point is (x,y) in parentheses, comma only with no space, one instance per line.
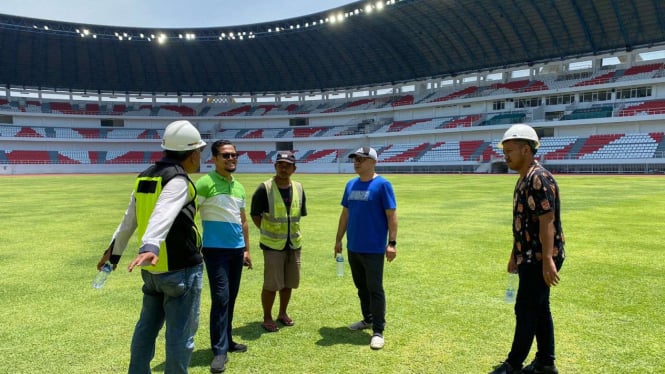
(445,105)
(651,107)
(601,111)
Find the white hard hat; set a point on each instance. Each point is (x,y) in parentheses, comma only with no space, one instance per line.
(520,131)
(181,136)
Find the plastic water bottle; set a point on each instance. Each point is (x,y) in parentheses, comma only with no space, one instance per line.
(511,287)
(339,260)
(103,274)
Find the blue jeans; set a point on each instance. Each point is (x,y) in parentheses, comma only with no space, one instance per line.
(367,273)
(174,298)
(224,268)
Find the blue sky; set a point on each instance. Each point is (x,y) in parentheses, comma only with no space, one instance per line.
(166,13)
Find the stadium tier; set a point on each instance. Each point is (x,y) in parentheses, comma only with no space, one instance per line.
(606,146)
(640,72)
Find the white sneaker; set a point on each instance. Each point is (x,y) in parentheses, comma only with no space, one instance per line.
(360,325)
(377,341)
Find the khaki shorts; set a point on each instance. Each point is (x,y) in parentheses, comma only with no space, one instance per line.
(281,269)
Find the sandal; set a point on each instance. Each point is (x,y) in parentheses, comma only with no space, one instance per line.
(286,321)
(270,326)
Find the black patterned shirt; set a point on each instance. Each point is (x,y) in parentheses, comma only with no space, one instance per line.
(535,194)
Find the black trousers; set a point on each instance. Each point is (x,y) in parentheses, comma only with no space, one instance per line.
(367,273)
(224,268)
(532,317)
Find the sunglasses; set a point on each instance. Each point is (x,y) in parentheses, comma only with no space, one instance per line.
(227,156)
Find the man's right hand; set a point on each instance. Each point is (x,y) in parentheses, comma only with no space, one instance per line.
(105,258)
(512,264)
(338,248)
(144,259)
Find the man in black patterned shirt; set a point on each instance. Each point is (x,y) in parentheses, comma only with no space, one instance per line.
(537,254)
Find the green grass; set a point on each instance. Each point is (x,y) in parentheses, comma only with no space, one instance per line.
(445,308)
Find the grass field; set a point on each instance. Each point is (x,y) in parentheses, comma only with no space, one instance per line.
(446,312)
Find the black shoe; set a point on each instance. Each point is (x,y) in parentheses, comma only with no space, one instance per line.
(537,367)
(505,368)
(218,364)
(237,347)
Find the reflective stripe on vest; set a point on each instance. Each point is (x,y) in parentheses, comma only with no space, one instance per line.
(276,222)
(146,191)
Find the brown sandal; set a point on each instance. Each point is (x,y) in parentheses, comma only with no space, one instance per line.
(286,321)
(270,326)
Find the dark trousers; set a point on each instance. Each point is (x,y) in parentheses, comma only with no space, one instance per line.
(367,273)
(224,268)
(532,317)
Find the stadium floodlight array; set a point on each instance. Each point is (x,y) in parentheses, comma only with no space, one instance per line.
(246,32)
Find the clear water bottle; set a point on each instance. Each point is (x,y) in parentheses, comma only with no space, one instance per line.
(511,287)
(339,260)
(103,274)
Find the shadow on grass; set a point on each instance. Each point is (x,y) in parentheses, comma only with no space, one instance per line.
(250,331)
(342,335)
(200,358)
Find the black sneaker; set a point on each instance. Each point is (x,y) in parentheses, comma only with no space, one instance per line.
(537,367)
(237,347)
(505,368)
(218,364)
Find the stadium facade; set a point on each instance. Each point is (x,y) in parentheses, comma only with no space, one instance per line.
(430,84)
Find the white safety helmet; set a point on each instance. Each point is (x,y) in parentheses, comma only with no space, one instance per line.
(521,131)
(181,136)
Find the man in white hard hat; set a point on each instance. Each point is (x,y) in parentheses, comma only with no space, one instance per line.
(162,209)
(537,253)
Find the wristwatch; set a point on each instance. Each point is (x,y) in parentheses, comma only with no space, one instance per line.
(392,243)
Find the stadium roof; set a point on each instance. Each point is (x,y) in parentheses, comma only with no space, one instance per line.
(350,46)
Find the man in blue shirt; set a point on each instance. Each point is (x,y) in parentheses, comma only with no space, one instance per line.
(368,218)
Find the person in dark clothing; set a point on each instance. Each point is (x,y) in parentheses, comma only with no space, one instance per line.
(537,254)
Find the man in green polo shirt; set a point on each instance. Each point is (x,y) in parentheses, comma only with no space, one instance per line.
(225,246)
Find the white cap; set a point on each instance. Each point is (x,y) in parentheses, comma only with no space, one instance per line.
(520,131)
(181,136)
(364,152)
